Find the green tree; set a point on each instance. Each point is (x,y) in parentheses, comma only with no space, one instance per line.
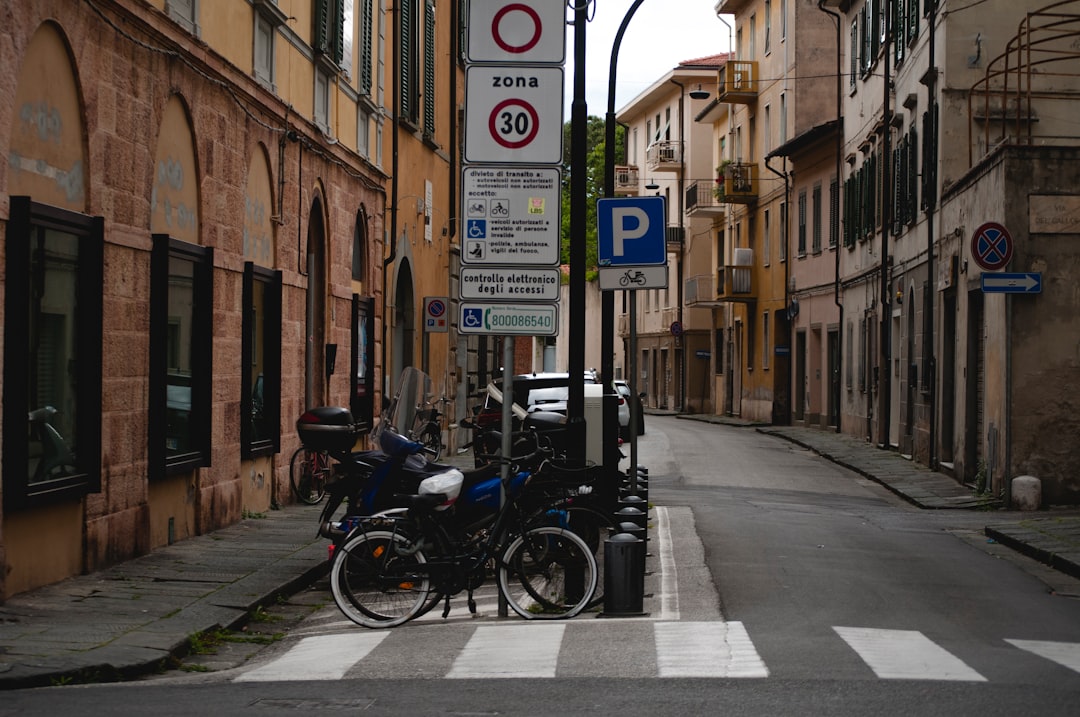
(594,185)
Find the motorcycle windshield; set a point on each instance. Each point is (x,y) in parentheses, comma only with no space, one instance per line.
(414,394)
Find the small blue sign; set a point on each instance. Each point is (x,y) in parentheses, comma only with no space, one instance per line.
(1016,283)
(472,318)
(476,228)
(631,231)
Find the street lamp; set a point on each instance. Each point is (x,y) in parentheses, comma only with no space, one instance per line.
(607,298)
(699,94)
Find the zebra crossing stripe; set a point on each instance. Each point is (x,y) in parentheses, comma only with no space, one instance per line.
(529,650)
(706,649)
(1063,653)
(327,657)
(906,655)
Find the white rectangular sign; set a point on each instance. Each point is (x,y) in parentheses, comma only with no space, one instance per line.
(511,215)
(517,31)
(513,114)
(510,284)
(633,277)
(508,319)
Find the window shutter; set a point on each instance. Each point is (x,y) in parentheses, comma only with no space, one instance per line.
(429,68)
(367,28)
(405,79)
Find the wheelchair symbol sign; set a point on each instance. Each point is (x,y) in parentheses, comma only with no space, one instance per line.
(473,318)
(477,228)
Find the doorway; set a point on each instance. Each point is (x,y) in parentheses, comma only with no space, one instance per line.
(315,310)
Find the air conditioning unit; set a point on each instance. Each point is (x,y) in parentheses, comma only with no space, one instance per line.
(667,154)
(743,257)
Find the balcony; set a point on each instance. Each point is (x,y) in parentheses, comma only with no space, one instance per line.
(702,201)
(626,180)
(698,291)
(740,183)
(673,236)
(663,156)
(733,281)
(738,82)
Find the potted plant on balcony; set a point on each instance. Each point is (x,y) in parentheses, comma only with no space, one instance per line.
(721,172)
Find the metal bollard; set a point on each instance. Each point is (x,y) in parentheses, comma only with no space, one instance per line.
(632,515)
(624,576)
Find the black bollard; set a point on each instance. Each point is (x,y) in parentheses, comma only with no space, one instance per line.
(624,576)
(632,515)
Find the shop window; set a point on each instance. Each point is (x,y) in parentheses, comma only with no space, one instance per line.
(181,353)
(52,354)
(260,399)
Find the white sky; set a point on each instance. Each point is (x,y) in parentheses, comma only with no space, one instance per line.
(661,34)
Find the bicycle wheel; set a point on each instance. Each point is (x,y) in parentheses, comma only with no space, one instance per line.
(591,526)
(376,581)
(309,472)
(547,573)
(431,439)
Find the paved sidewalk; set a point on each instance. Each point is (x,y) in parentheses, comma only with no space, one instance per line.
(133,618)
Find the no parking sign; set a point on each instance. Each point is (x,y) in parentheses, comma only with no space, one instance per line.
(435,318)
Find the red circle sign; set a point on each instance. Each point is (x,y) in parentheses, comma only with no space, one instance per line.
(436,308)
(528,44)
(513,129)
(991,246)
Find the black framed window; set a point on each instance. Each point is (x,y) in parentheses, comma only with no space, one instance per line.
(260,398)
(52,354)
(362,376)
(181,355)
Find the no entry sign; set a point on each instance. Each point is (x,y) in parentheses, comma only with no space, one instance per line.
(531,31)
(513,114)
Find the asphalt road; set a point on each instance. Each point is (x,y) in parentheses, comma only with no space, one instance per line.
(787,586)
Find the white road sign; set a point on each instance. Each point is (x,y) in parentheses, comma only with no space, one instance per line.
(513,114)
(517,31)
(630,278)
(507,283)
(506,319)
(511,215)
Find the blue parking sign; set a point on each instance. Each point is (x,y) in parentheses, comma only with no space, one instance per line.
(631,231)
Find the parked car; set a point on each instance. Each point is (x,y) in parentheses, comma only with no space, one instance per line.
(623,389)
(542,396)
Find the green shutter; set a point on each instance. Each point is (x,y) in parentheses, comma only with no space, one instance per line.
(429,68)
(367,29)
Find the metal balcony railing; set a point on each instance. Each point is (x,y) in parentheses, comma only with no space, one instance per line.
(626,180)
(740,183)
(738,82)
(663,155)
(702,199)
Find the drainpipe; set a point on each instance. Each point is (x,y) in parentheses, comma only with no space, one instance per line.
(681,402)
(931,205)
(396,55)
(839,174)
(786,176)
(885,350)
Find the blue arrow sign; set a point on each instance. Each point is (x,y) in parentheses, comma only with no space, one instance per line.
(631,231)
(1029,283)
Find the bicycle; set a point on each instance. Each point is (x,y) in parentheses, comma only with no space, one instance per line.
(309,472)
(427,430)
(389,567)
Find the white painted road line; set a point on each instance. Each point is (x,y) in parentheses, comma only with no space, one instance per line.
(1063,653)
(706,649)
(669,577)
(529,650)
(327,657)
(906,655)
